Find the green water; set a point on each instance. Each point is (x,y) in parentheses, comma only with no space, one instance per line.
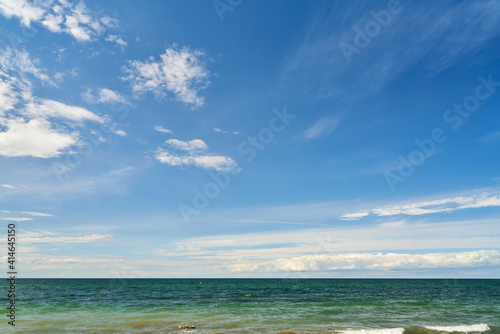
(254,306)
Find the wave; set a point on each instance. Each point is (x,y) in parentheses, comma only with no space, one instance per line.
(398,330)
(477,328)
(462,329)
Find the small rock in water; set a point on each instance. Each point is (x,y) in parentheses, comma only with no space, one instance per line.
(187,327)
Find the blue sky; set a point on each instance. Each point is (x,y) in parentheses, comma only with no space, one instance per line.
(251,139)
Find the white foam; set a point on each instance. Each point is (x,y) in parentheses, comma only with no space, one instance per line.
(463,329)
(375,331)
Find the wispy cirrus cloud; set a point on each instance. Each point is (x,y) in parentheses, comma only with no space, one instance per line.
(323,126)
(36,214)
(22,215)
(67,239)
(44,108)
(450,34)
(17,219)
(451,204)
(181,72)
(20,62)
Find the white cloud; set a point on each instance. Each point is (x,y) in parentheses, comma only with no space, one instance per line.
(120,133)
(354,216)
(50,108)
(24,214)
(67,239)
(194,156)
(225,131)
(387,237)
(30,126)
(22,10)
(36,214)
(18,219)
(27,129)
(9,186)
(109,96)
(491,138)
(160,128)
(109,22)
(449,35)
(435,206)
(104,95)
(181,72)
(73,19)
(118,40)
(8,98)
(34,138)
(190,146)
(19,61)
(323,126)
(367,261)
(216,162)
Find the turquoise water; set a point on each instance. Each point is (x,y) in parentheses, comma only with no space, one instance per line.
(255,306)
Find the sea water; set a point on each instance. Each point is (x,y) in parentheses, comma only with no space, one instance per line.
(350,306)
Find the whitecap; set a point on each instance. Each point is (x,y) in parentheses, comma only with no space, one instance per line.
(463,329)
(399,330)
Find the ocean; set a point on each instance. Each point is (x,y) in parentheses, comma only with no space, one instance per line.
(344,306)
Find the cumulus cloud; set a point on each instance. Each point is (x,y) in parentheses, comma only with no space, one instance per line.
(195,155)
(30,126)
(323,126)
(379,261)
(180,72)
(33,134)
(58,17)
(160,128)
(118,40)
(216,162)
(34,138)
(104,95)
(190,146)
(21,9)
(425,207)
